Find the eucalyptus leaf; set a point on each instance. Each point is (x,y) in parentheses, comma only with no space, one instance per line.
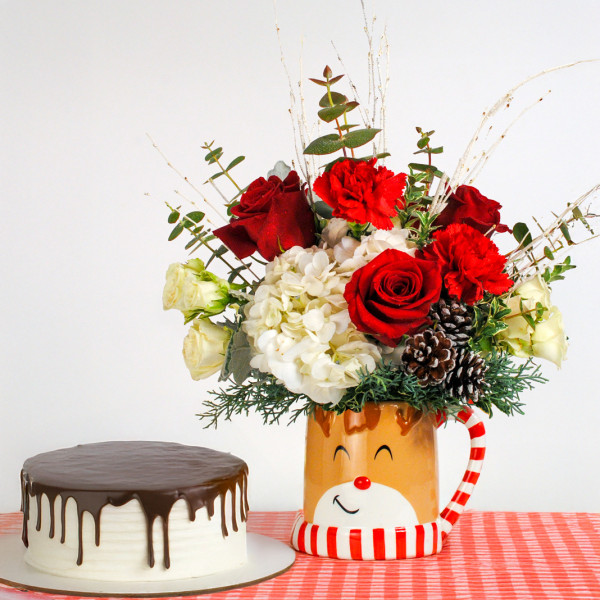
(173,217)
(214,155)
(323,209)
(326,144)
(522,234)
(332,112)
(196,216)
(176,231)
(565,231)
(359,137)
(426,168)
(236,161)
(336,98)
(335,79)
(235,272)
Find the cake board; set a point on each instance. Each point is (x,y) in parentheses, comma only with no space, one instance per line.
(267,558)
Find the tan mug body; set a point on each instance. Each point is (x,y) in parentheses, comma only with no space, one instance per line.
(374,468)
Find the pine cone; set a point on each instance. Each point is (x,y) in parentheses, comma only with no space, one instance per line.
(454,318)
(466,381)
(429,356)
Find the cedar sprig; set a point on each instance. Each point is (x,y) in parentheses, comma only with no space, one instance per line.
(260,392)
(390,382)
(505,381)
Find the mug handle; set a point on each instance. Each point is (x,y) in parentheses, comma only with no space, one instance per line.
(456,506)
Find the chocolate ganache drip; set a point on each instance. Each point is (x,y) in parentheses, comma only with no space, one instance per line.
(157,474)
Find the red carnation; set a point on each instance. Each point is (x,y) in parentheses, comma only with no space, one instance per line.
(467,205)
(272,216)
(471,263)
(361,193)
(391,295)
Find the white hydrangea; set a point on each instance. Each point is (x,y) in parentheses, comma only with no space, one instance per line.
(352,254)
(300,330)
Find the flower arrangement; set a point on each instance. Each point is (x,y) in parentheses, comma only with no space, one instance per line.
(377,284)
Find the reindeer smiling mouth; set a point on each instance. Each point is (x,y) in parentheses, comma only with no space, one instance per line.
(350,512)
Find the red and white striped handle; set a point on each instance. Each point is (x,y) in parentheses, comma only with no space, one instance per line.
(456,506)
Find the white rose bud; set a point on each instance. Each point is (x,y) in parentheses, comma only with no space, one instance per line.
(545,340)
(334,231)
(198,294)
(195,291)
(204,348)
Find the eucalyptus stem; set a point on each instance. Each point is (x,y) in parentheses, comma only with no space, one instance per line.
(226,262)
(226,173)
(337,122)
(346,125)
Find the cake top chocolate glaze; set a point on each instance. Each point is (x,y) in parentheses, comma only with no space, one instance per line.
(156,474)
(128,466)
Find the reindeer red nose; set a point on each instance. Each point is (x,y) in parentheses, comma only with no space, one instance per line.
(362,483)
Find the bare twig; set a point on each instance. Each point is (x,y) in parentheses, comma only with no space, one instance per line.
(187,181)
(466,161)
(523,262)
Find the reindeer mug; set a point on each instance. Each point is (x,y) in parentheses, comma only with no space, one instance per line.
(371,483)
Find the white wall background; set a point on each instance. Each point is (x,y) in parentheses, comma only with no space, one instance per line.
(87,352)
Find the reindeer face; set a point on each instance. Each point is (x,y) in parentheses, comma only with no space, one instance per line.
(376,468)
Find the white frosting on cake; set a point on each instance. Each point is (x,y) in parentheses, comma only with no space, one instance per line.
(196,547)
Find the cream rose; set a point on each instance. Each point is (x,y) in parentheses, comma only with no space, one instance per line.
(545,340)
(173,289)
(204,348)
(194,291)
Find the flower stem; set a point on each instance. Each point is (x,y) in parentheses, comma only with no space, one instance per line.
(226,173)
(337,123)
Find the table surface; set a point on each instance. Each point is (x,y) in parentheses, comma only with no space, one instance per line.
(488,556)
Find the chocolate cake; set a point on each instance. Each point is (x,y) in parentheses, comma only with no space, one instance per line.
(136,511)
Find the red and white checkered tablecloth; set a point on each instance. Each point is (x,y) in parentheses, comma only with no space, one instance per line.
(488,556)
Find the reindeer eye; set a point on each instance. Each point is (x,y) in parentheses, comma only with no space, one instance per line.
(342,449)
(384,447)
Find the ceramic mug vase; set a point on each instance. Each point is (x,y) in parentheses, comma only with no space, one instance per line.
(371,483)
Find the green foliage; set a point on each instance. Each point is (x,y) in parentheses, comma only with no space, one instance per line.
(190,221)
(335,106)
(415,216)
(505,381)
(423,143)
(259,392)
(327,144)
(488,320)
(202,237)
(522,234)
(389,382)
(558,270)
(237,356)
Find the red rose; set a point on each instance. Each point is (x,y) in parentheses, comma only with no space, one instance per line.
(391,295)
(272,216)
(470,263)
(361,193)
(467,205)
